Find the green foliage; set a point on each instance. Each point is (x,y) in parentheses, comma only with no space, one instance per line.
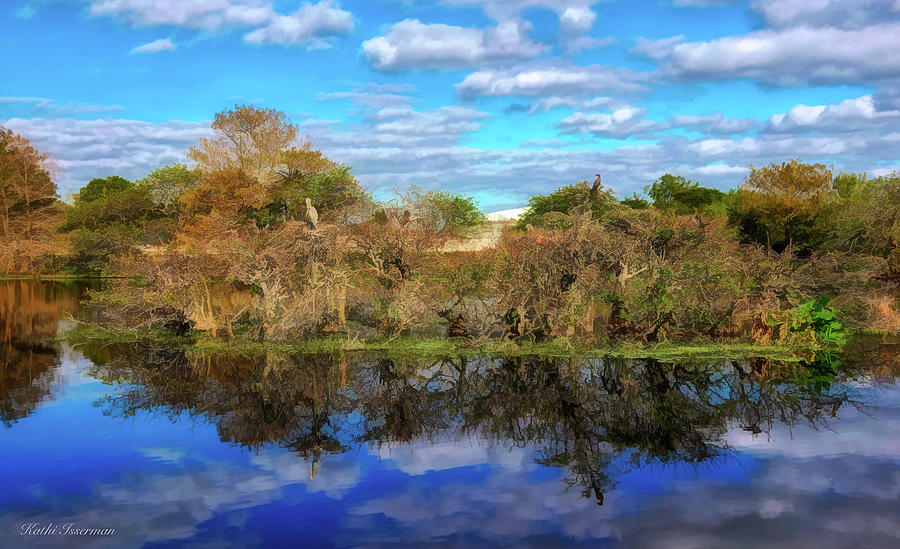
(94,249)
(334,192)
(680,195)
(865,219)
(167,183)
(778,205)
(98,188)
(448,212)
(846,183)
(110,224)
(813,376)
(331,192)
(722,205)
(128,206)
(563,200)
(635,202)
(820,318)
(549,211)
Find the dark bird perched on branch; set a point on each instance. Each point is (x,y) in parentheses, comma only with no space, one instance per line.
(311,214)
(595,188)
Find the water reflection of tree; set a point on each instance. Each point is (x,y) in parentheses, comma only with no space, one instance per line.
(595,418)
(30,312)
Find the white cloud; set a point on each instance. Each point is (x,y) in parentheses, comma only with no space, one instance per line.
(713,123)
(552,102)
(543,143)
(366,98)
(70,107)
(443,122)
(420,457)
(559,80)
(625,120)
(848,115)
(504,9)
(703,3)
(23,100)
(311,25)
(413,44)
(195,14)
(887,97)
(577,19)
(373,95)
(788,57)
(714,170)
(829,13)
(163,44)
(595,103)
(620,122)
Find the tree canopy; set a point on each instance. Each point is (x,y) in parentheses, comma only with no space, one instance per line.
(777,205)
(550,210)
(98,188)
(675,193)
(29,212)
(168,183)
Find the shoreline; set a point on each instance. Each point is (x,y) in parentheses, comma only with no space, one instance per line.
(408,347)
(61,277)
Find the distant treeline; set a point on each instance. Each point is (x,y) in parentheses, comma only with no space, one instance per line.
(265,238)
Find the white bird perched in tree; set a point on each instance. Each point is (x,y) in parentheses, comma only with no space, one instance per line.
(311,214)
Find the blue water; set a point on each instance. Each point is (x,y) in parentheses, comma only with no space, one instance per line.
(177,452)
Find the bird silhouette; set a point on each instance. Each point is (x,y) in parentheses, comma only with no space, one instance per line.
(595,189)
(311,214)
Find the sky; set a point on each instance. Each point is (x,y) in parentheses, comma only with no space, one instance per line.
(497,99)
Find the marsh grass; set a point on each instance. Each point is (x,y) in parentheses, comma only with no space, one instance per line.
(85,333)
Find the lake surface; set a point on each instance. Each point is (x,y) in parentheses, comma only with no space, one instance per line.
(174,449)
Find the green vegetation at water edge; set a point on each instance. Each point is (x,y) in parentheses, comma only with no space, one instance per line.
(435,347)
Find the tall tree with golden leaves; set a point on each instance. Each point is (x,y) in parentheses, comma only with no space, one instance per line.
(240,164)
(29,210)
(777,205)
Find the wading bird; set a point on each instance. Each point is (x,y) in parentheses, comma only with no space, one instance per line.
(311,214)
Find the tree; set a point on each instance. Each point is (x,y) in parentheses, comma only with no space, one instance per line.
(845,183)
(108,220)
(255,168)
(443,211)
(249,138)
(551,210)
(777,205)
(29,210)
(239,165)
(680,195)
(168,183)
(333,190)
(866,219)
(635,202)
(98,188)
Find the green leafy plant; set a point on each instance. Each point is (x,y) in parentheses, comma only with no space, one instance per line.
(819,317)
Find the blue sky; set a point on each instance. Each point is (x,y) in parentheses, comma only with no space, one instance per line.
(500,99)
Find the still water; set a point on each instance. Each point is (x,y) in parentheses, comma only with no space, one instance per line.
(139,446)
